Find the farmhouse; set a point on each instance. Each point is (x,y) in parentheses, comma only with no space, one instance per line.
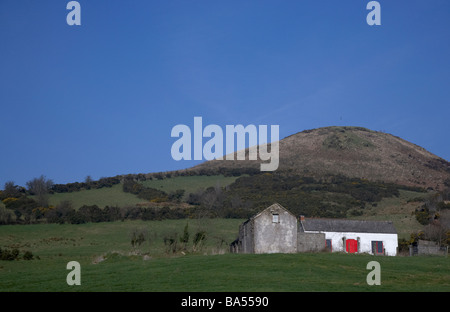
(273,230)
(276,230)
(354,236)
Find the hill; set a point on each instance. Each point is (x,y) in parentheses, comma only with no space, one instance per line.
(353,152)
(335,172)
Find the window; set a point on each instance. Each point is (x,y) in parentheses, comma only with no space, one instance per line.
(276,218)
(377,247)
(328,245)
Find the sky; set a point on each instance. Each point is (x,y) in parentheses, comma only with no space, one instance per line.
(101,98)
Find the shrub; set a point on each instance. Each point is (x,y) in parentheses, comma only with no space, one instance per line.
(9,255)
(185,238)
(91,213)
(6,216)
(138,236)
(170,241)
(61,213)
(28,255)
(422,215)
(199,240)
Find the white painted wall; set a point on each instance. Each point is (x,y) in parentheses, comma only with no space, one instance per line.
(390,241)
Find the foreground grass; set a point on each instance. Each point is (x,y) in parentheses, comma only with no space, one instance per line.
(230,272)
(108,263)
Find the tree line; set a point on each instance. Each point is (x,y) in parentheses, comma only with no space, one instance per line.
(330,196)
(65,213)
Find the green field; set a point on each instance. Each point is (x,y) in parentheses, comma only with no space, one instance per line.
(107,196)
(109,262)
(115,197)
(190,184)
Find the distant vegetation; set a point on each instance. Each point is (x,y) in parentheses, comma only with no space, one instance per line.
(331,196)
(178,196)
(87,185)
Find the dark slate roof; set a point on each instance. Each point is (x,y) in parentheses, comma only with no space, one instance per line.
(355,226)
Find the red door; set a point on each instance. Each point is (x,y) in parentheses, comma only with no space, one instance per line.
(352,245)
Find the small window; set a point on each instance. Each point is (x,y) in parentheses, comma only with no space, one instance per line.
(328,245)
(377,247)
(276,218)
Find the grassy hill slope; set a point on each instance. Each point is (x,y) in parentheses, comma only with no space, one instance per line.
(116,197)
(190,184)
(107,196)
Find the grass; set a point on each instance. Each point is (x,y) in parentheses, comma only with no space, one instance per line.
(342,139)
(213,269)
(116,197)
(398,210)
(190,184)
(107,196)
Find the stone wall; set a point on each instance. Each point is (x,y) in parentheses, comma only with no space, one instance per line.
(310,242)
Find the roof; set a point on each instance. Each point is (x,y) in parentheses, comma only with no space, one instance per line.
(354,226)
(274,206)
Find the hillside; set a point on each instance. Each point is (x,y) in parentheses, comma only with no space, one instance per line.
(334,172)
(354,152)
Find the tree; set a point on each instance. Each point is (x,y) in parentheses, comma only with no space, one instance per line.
(137,237)
(90,213)
(176,196)
(185,238)
(11,190)
(40,187)
(199,240)
(88,182)
(435,232)
(88,179)
(170,241)
(60,213)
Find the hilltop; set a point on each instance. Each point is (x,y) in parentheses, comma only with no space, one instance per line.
(353,152)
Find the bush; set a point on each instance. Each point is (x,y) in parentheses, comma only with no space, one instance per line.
(9,255)
(148,193)
(28,255)
(6,216)
(112,214)
(442,205)
(61,213)
(91,214)
(422,215)
(199,240)
(170,241)
(185,238)
(138,237)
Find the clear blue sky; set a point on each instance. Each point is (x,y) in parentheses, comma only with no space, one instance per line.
(101,99)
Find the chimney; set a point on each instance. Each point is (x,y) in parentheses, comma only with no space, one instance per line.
(302,218)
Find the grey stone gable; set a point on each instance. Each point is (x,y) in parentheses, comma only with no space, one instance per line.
(275,206)
(353,226)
